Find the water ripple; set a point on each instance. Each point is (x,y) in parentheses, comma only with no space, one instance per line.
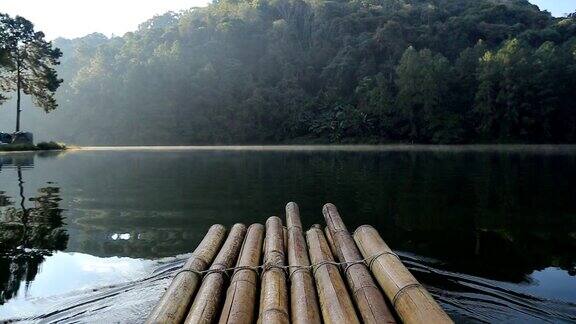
(466,298)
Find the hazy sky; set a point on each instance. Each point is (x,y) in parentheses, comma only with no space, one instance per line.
(556,7)
(73,18)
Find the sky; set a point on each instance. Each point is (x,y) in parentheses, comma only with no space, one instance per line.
(75,18)
(558,8)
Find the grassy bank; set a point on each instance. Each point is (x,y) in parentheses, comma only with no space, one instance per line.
(43,146)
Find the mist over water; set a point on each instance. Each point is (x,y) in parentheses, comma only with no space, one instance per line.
(97,234)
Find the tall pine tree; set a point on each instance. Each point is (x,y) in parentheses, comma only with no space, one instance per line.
(29,62)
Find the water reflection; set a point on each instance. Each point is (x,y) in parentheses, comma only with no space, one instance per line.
(497,227)
(27,234)
(500,215)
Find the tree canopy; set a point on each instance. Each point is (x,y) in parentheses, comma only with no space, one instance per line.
(28,63)
(288,71)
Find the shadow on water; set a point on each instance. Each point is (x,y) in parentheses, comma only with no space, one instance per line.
(491,233)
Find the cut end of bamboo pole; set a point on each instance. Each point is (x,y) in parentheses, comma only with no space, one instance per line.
(256,227)
(316,226)
(293,216)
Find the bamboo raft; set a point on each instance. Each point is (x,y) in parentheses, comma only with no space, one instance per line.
(277,274)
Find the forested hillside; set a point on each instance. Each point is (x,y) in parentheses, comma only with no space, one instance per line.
(293,71)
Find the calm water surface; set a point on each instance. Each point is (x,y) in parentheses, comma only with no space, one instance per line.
(96,235)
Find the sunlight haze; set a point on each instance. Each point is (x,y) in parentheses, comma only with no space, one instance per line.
(136,134)
(558,8)
(73,18)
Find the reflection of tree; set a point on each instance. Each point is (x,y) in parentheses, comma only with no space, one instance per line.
(496,215)
(25,160)
(27,235)
(4,201)
(500,216)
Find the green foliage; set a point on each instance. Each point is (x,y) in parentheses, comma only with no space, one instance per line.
(17,147)
(28,63)
(50,146)
(4,61)
(422,90)
(42,146)
(526,94)
(270,71)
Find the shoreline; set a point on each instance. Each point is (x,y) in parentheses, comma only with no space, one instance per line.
(40,147)
(33,151)
(336,147)
(315,147)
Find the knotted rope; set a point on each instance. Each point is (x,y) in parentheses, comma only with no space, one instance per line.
(261,269)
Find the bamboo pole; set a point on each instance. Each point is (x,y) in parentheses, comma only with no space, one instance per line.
(205,307)
(241,296)
(368,297)
(411,300)
(174,304)
(335,302)
(304,302)
(329,240)
(274,294)
(285,236)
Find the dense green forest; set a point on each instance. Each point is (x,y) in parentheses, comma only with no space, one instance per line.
(293,71)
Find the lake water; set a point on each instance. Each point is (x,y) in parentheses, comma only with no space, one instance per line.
(96,235)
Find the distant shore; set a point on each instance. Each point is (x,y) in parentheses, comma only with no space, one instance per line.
(43,146)
(52,146)
(350,148)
